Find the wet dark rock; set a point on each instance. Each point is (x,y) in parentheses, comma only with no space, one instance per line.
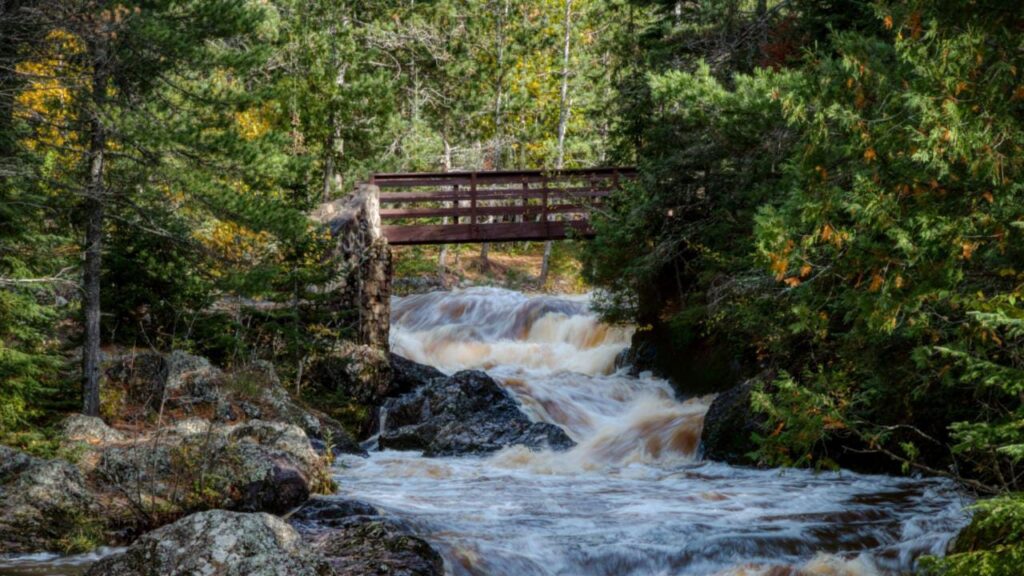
(693,364)
(363,545)
(407,376)
(728,425)
(44,505)
(326,513)
(217,543)
(467,413)
(357,539)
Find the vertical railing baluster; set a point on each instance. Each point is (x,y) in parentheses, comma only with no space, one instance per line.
(526,199)
(472,202)
(546,181)
(455,202)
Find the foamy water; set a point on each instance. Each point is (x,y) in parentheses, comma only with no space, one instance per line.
(633,497)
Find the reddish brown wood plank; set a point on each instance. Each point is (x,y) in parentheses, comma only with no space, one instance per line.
(503,232)
(414,180)
(531,194)
(533,210)
(623,172)
(488,194)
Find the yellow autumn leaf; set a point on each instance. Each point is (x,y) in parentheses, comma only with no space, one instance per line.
(968,249)
(876,282)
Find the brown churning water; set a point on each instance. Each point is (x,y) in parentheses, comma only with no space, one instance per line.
(633,497)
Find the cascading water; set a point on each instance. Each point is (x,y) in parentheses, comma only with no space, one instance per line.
(633,496)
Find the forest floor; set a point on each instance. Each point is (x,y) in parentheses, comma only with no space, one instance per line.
(516,267)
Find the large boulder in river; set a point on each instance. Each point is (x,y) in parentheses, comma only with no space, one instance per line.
(44,505)
(217,543)
(407,376)
(467,413)
(358,539)
(729,425)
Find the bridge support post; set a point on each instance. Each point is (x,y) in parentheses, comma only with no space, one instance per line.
(362,263)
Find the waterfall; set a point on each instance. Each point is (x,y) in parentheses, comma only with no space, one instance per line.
(558,359)
(633,497)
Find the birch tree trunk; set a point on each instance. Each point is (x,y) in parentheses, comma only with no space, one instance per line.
(563,121)
(498,118)
(442,257)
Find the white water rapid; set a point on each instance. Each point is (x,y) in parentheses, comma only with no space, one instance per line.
(633,497)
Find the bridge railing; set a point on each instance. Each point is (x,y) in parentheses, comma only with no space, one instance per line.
(453,207)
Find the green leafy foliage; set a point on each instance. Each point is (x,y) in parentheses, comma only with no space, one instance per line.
(992,545)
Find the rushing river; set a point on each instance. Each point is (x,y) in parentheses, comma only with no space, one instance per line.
(633,497)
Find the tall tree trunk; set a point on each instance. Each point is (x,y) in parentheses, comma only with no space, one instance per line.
(333,145)
(442,257)
(94,207)
(563,121)
(329,158)
(499,42)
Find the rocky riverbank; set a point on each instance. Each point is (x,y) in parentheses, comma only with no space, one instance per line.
(218,472)
(190,437)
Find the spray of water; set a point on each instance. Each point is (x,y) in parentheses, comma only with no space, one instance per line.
(559,360)
(633,497)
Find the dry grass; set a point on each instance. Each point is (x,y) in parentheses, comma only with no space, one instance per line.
(517,269)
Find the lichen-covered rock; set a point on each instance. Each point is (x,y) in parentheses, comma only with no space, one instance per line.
(217,543)
(262,480)
(153,380)
(356,538)
(316,424)
(467,413)
(184,368)
(363,373)
(90,430)
(251,466)
(180,384)
(136,468)
(44,505)
(280,436)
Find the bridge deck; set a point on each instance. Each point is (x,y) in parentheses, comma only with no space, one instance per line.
(465,207)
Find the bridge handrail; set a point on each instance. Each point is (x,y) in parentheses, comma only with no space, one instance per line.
(571,193)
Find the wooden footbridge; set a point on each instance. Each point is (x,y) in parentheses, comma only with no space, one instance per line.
(468,207)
